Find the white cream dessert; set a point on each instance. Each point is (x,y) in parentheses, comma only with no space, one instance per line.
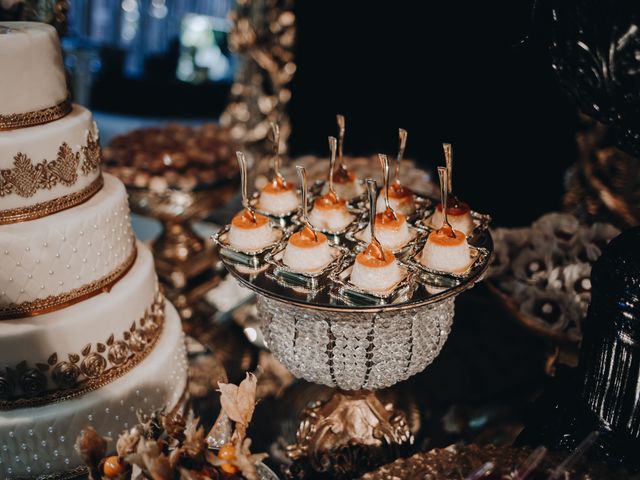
(375,270)
(278,197)
(330,213)
(446,250)
(345,184)
(307,251)
(392,231)
(458,213)
(400,199)
(249,233)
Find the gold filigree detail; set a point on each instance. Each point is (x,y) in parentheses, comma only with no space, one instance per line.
(26,178)
(76,473)
(90,154)
(37,117)
(25,385)
(50,207)
(56,302)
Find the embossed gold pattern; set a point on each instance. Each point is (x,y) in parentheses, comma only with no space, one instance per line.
(79,373)
(50,207)
(37,117)
(26,178)
(56,302)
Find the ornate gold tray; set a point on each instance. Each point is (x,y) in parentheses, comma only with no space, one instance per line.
(456,462)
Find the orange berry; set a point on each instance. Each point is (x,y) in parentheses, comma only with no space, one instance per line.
(112,467)
(227,452)
(229,468)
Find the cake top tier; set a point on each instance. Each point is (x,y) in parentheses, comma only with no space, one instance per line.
(33,77)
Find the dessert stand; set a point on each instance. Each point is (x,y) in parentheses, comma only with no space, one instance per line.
(356,348)
(184,261)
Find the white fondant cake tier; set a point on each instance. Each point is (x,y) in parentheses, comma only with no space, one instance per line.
(39,441)
(33,76)
(27,175)
(92,322)
(70,250)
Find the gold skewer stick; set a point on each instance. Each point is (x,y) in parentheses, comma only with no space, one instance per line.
(402,135)
(341,130)
(332,163)
(372,189)
(384,162)
(242,161)
(448,158)
(275,132)
(302,175)
(443,174)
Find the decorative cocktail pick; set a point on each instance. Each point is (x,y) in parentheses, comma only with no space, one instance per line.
(444,180)
(332,166)
(275,133)
(530,464)
(448,158)
(249,212)
(481,472)
(559,472)
(374,249)
(307,230)
(384,162)
(402,135)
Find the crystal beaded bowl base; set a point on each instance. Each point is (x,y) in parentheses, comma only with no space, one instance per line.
(355,350)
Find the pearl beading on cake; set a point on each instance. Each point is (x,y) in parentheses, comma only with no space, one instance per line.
(75,247)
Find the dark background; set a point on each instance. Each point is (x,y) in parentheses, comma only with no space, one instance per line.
(447,72)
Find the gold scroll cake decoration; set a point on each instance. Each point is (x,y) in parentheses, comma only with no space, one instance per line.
(25,179)
(13,121)
(58,379)
(56,302)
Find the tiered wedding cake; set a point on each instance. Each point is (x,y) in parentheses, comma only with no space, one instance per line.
(85,336)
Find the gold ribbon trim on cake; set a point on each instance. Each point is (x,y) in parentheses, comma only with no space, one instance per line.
(56,302)
(50,207)
(25,179)
(96,365)
(12,121)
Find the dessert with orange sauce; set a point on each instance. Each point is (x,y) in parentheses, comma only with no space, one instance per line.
(278,197)
(446,250)
(307,251)
(400,199)
(330,213)
(375,269)
(392,230)
(250,231)
(459,214)
(346,184)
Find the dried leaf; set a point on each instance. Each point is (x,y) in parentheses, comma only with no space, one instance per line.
(239,401)
(53,359)
(74,357)
(110,340)
(92,449)
(85,351)
(127,442)
(101,347)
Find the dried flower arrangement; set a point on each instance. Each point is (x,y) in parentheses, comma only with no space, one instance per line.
(543,272)
(175,447)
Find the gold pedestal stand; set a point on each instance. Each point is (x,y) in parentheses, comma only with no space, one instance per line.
(352,426)
(187,265)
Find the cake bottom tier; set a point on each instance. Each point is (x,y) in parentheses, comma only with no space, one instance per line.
(40,442)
